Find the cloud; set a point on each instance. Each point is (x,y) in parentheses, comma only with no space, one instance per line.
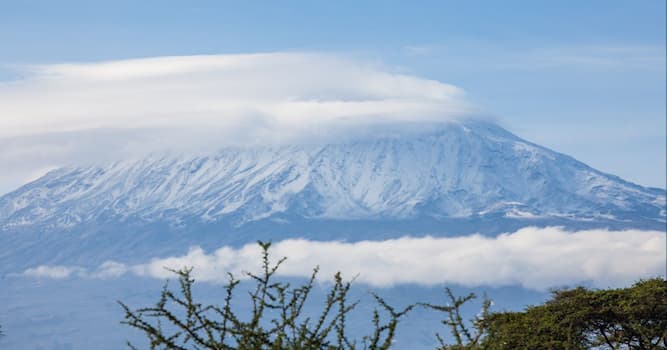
(475,56)
(418,50)
(108,269)
(54,272)
(602,57)
(58,113)
(282,90)
(535,258)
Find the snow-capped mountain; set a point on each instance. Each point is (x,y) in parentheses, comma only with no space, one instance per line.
(465,169)
(456,178)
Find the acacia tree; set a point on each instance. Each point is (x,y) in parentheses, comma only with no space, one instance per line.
(466,336)
(277,320)
(627,318)
(579,318)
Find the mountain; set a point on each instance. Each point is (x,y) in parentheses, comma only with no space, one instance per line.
(429,181)
(453,178)
(463,169)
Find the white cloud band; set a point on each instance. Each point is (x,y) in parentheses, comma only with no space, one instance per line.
(283,90)
(535,258)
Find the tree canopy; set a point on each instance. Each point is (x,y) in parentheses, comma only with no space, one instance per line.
(581,318)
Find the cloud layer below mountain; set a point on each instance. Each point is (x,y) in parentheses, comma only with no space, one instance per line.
(535,258)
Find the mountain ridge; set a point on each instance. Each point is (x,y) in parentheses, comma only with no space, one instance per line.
(454,170)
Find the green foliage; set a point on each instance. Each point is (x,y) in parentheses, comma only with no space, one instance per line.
(629,318)
(178,322)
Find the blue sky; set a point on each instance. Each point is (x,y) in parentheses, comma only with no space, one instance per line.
(586,78)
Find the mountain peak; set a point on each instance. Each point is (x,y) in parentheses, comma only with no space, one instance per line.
(451,170)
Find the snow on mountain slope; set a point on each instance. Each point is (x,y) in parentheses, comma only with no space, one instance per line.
(458,169)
